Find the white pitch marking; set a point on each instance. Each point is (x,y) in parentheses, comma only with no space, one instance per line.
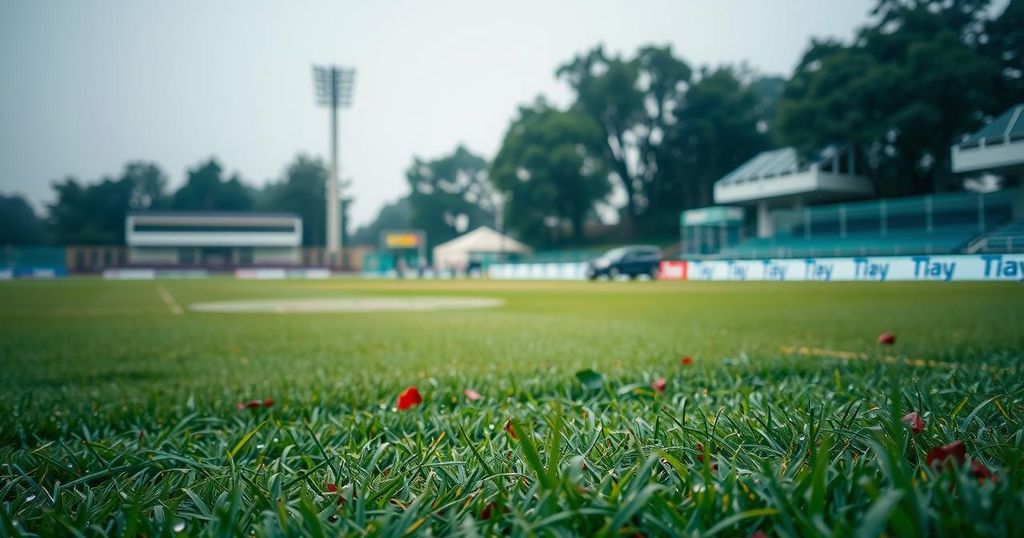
(172,305)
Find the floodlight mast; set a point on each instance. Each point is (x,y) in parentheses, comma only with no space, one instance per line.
(334,89)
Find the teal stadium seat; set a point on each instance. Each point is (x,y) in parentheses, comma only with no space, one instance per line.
(938,224)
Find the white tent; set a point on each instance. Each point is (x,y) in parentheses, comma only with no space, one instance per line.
(456,254)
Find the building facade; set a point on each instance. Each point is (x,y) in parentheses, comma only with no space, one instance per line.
(213,240)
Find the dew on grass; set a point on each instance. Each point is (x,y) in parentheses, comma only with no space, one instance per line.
(179,526)
(30,498)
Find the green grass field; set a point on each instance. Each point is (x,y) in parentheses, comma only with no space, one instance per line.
(118,416)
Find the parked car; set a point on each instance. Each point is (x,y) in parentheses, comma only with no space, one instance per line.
(631,261)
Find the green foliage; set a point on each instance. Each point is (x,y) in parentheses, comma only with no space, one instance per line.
(632,102)
(550,172)
(19,224)
(910,84)
(666,133)
(393,216)
(716,129)
(303,192)
(1005,43)
(95,214)
(590,379)
(450,195)
(118,417)
(205,190)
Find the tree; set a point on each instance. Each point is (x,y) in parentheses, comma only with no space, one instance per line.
(908,86)
(1004,43)
(631,101)
(301,191)
(720,123)
(393,216)
(550,170)
(450,195)
(204,190)
(146,183)
(95,214)
(19,224)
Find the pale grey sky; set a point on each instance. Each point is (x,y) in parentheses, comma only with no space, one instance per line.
(88,86)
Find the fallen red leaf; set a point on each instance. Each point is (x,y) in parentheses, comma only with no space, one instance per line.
(251,404)
(409,397)
(659,384)
(333,488)
(511,431)
(913,421)
(472,395)
(700,456)
(887,339)
(942,454)
(687,360)
(979,471)
(269,402)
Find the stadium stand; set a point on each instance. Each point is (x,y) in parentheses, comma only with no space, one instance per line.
(1006,239)
(813,207)
(933,224)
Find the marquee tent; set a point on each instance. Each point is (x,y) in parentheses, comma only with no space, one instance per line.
(482,244)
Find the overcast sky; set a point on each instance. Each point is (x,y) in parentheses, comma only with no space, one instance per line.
(88,86)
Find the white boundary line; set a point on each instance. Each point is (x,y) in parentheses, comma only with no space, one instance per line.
(172,305)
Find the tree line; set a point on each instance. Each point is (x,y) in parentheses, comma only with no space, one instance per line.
(658,132)
(646,135)
(94,213)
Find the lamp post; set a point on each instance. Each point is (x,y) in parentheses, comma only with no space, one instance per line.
(334,89)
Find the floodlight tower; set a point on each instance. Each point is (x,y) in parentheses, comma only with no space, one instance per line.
(334,89)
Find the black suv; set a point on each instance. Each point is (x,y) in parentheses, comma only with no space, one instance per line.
(631,261)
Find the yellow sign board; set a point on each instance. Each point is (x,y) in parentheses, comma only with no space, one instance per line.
(402,240)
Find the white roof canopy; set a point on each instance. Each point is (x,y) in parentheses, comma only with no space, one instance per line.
(780,175)
(483,240)
(997,146)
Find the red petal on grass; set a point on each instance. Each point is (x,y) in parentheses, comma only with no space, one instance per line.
(239,406)
(700,456)
(251,404)
(887,339)
(659,384)
(409,397)
(269,402)
(913,421)
(489,509)
(941,454)
(472,395)
(333,488)
(511,431)
(979,471)
(687,360)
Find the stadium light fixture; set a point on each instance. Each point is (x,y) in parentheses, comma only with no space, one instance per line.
(334,86)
